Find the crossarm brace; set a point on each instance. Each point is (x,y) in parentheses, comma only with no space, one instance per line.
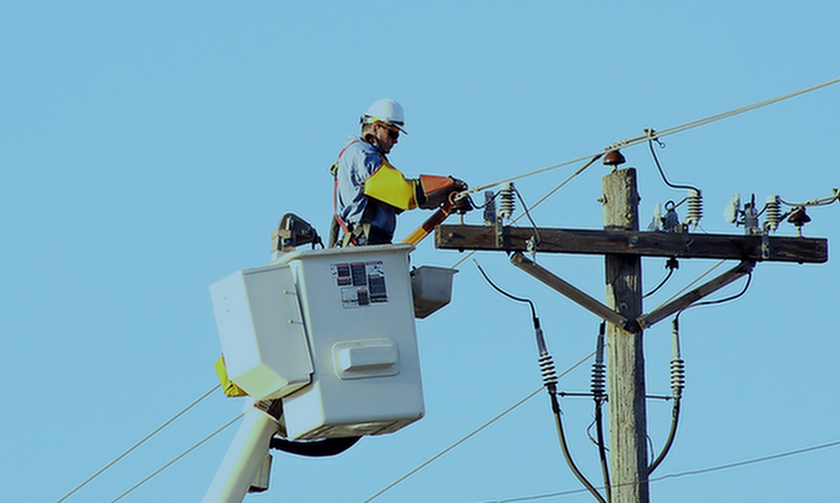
(569,290)
(689,298)
(642,322)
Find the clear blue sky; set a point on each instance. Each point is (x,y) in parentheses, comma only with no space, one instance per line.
(148,149)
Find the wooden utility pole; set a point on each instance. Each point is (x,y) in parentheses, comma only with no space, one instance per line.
(625,358)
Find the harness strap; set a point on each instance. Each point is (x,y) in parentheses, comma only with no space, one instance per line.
(341,223)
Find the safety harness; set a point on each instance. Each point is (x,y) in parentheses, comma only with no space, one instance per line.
(349,237)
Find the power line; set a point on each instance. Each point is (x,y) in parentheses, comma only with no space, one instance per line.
(649,136)
(748,462)
(472,433)
(687,473)
(539,201)
(167,465)
(652,135)
(138,444)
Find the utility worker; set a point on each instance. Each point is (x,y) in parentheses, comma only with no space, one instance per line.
(369,192)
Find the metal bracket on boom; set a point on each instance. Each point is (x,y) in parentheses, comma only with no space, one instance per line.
(291,232)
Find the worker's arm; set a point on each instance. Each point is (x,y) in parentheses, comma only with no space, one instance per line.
(428,192)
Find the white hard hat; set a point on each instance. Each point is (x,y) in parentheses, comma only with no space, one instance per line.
(385,110)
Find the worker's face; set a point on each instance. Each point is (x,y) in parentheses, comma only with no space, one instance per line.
(386,136)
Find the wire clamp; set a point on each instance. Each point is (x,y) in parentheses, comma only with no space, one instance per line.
(531,247)
(765,245)
(651,135)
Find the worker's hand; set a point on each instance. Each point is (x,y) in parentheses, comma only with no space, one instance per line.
(431,191)
(458,185)
(464,203)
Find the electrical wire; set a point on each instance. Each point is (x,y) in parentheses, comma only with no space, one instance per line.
(662,172)
(540,201)
(599,397)
(474,432)
(583,480)
(653,135)
(174,460)
(675,413)
(143,440)
(721,301)
(508,295)
(661,283)
(677,387)
(687,473)
(456,444)
(675,417)
(528,214)
(550,383)
(648,136)
(686,287)
(825,201)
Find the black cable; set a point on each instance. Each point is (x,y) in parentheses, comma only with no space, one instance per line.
(536,320)
(555,407)
(528,214)
(599,421)
(671,264)
(547,367)
(721,301)
(506,294)
(675,412)
(662,173)
(602,450)
(677,385)
(314,448)
(675,417)
(488,201)
(660,285)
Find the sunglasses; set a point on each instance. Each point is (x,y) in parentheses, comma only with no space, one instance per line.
(393,134)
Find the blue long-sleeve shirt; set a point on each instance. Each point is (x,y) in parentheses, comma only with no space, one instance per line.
(358,161)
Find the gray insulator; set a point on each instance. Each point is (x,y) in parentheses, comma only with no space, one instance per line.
(677,376)
(549,375)
(507,202)
(774,213)
(598,380)
(695,207)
